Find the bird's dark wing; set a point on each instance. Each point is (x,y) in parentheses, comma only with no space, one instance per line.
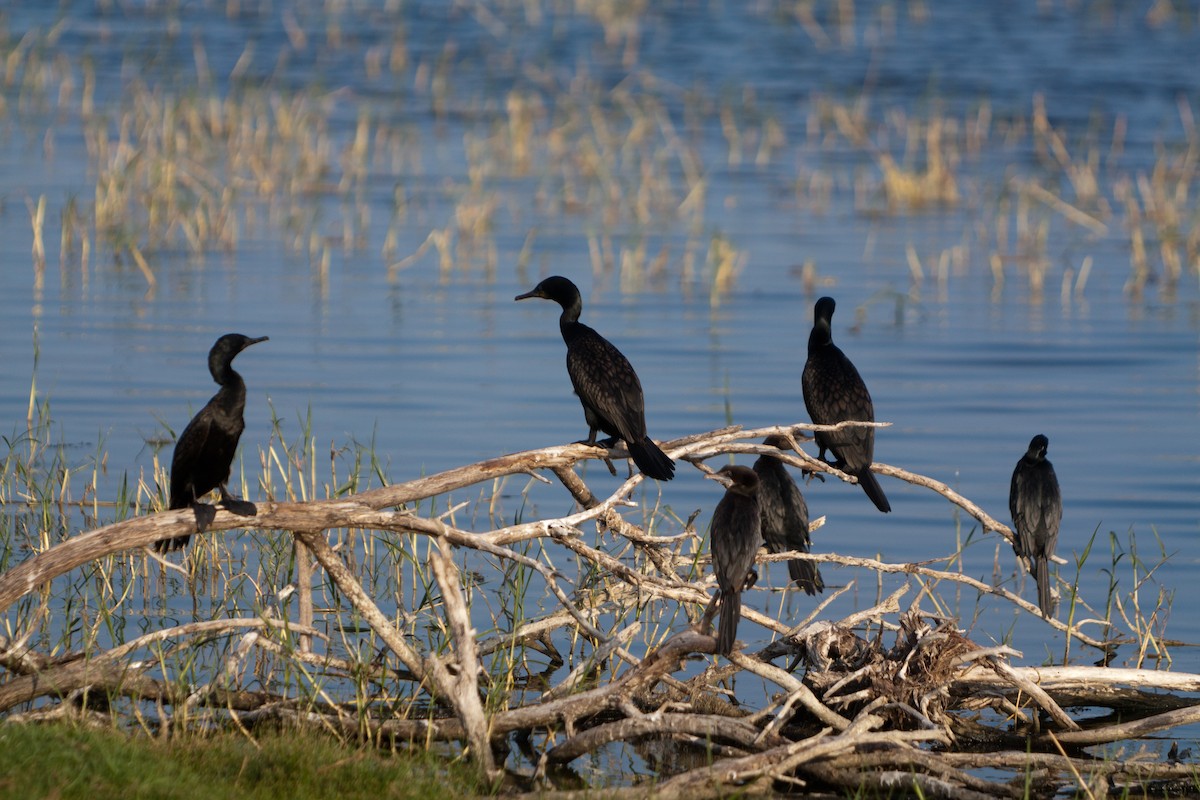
(606,383)
(783,510)
(190,448)
(834,392)
(1035,503)
(783,513)
(203,454)
(734,538)
(1045,508)
(1023,542)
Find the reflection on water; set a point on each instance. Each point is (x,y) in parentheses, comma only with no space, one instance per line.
(700,146)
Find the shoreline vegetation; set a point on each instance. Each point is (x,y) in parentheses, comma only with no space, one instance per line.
(379,626)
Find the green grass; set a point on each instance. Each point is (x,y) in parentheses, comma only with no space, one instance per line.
(65,761)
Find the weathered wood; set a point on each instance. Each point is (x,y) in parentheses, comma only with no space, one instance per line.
(849,723)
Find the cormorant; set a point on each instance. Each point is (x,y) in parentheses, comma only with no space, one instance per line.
(608,388)
(834,392)
(784,516)
(734,539)
(204,451)
(1036,505)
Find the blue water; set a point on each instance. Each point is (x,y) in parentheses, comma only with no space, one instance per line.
(441,368)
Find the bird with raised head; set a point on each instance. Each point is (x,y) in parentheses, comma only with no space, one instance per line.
(834,392)
(605,382)
(204,451)
(1035,502)
(734,538)
(784,516)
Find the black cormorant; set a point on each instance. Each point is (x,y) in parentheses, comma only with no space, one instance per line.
(204,451)
(1036,505)
(604,379)
(834,392)
(784,516)
(734,539)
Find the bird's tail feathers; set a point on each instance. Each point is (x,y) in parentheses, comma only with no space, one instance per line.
(806,575)
(731,612)
(1042,576)
(652,461)
(866,479)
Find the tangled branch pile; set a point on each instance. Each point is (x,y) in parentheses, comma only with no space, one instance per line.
(409,647)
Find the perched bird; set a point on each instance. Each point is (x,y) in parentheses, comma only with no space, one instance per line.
(834,392)
(734,539)
(608,388)
(784,516)
(1036,506)
(204,451)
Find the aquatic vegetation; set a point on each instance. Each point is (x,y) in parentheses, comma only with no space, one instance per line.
(200,161)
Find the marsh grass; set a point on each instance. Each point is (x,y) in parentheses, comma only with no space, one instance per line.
(199,164)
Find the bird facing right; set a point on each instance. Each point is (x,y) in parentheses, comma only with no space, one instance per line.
(784,516)
(834,392)
(204,451)
(1036,505)
(734,539)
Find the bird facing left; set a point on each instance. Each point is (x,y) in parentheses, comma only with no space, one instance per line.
(605,382)
(204,451)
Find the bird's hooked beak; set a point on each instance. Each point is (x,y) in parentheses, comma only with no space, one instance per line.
(724,480)
(534,292)
(255,341)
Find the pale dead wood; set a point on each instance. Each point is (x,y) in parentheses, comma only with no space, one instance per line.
(1033,690)
(860,713)
(108,671)
(702,726)
(1071,678)
(1133,729)
(463,682)
(304,576)
(364,509)
(940,575)
(427,669)
(797,691)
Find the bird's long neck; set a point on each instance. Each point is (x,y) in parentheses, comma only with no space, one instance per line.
(820,337)
(568,322)
(232,395)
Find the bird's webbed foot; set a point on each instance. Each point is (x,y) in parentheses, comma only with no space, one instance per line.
(751,579)
(603,444)
(205,514)
(243,508)
(809,474)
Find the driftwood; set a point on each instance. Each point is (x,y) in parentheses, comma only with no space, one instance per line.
(863,714)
